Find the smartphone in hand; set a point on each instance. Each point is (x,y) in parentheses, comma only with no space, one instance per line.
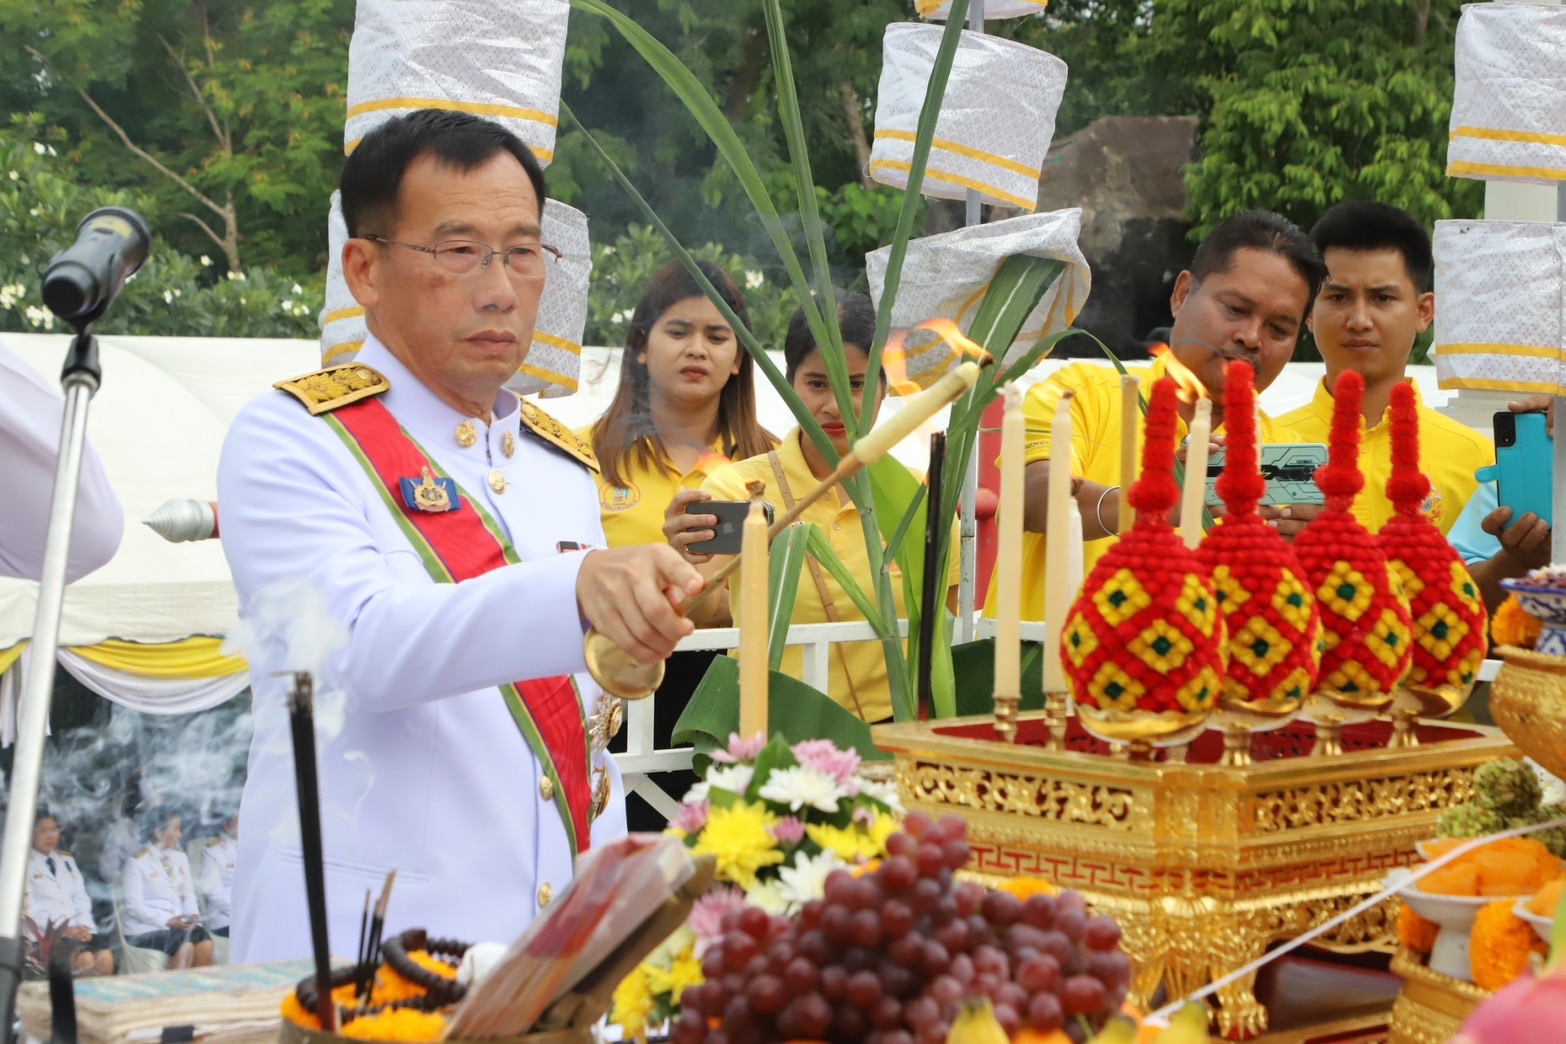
(1524,465)
(730,528)
(1288,467)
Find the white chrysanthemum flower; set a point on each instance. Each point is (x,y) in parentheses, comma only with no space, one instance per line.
(802,787)
(806,879)
(769,896)
(733,778)
(886,793)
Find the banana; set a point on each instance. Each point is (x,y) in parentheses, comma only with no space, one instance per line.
(1118,1030)
(976,1025)
(1188,1026)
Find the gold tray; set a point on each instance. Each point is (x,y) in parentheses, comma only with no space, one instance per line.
(1202,865)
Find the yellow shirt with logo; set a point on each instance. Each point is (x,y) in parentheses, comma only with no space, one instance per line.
(633,513)
(857,678)
(1449,453)
(1097,419)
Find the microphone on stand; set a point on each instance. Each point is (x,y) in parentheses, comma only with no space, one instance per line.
(84,279)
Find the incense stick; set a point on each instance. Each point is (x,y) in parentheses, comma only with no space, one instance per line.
(377,925)
(359,954)
(301,717)
(929,601)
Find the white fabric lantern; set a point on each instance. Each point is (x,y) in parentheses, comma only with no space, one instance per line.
(996,120)
(1509,103)
(946,276)
(342,320)
(940,10)
(496,58)
(554,362)
(1499,324)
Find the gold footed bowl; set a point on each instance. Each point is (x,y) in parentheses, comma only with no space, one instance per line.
(1350,708)
(616,673)
(1141,729)
(1528,702)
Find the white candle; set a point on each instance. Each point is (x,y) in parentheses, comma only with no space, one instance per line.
(1008,584)
(1130,424)
(1193,495)
(1057,545)
(753,623)
(915,412)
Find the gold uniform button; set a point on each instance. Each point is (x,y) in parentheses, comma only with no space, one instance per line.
(546,892)
(497,482)
(467,434)
(546,789)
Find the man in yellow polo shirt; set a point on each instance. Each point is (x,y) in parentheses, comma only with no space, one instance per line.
(1245,296)
(1374,303)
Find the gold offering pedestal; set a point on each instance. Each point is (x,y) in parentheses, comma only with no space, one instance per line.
(1432,1006)
(1203,864)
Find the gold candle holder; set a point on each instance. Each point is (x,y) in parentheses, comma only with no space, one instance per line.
(1057,717)
(1006,707)
(1236,745)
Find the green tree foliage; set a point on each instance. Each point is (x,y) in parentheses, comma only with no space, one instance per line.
(227,115)
(1305,103)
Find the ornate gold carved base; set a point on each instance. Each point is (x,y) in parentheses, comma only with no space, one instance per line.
(1204,865)
(1432,1007)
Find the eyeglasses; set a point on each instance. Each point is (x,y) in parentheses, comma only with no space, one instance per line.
(461,256)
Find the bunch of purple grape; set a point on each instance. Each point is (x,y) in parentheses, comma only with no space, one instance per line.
(889,957)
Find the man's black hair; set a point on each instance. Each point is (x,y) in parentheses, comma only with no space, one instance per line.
(1260,230)
(1361,225)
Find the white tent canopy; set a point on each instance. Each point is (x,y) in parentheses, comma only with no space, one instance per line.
(159,423)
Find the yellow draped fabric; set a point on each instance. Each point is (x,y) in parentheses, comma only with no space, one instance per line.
(11,655)
(197,657)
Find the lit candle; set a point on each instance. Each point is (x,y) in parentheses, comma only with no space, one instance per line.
(753,623)
(1192,497)
(1130,424)
(1057,545)
(1008,589)
(915,412)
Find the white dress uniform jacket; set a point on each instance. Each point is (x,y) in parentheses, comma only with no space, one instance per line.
(158,888)
(217,878)
(30,413)
(425,771)
(58,897)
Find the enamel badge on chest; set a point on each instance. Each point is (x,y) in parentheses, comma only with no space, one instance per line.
(429,493)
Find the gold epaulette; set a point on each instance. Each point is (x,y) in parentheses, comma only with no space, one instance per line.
(63,853)
(326,390)
(558,435)
(141,853)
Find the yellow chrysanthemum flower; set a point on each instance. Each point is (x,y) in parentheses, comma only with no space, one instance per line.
(884,827)
(738,838)
(849,844)
(633,1005)
(684,971)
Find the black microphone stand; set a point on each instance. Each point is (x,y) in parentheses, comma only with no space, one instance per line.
(79,379)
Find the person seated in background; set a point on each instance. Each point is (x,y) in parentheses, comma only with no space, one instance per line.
(1375,302)
(57,895)
(160,897)
(1245,296)
(686,402)
(218,858)
(1495,545)
(858,679)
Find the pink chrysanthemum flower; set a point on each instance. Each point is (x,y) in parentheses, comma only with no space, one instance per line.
(788,830)
(824,756)
(691,818)
(740,749)
(706,918)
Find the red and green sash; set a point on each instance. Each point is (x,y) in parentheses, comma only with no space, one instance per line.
(458,545)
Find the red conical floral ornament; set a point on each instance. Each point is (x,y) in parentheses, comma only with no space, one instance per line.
(1274,627)
(1143,645)
(1449,618)
(1366,630)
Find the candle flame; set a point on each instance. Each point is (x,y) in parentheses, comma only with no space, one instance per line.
(955,339)
(1190,387)
(897,353)
(894,361)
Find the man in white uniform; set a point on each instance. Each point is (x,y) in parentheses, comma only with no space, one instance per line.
(30,413)
(57,895)
(445,521)
(218,859)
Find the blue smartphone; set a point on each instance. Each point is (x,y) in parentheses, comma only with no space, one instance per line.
(1288,467)
(1524,464)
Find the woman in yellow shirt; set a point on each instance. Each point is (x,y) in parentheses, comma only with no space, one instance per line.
(857,678)
(686,400)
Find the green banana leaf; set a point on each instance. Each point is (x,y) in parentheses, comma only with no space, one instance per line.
(975,666)
(794,710)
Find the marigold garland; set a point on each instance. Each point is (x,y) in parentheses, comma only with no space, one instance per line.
(1414,932)
(1500,946)
(1026,888)
(1513,625)
(399,1024)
